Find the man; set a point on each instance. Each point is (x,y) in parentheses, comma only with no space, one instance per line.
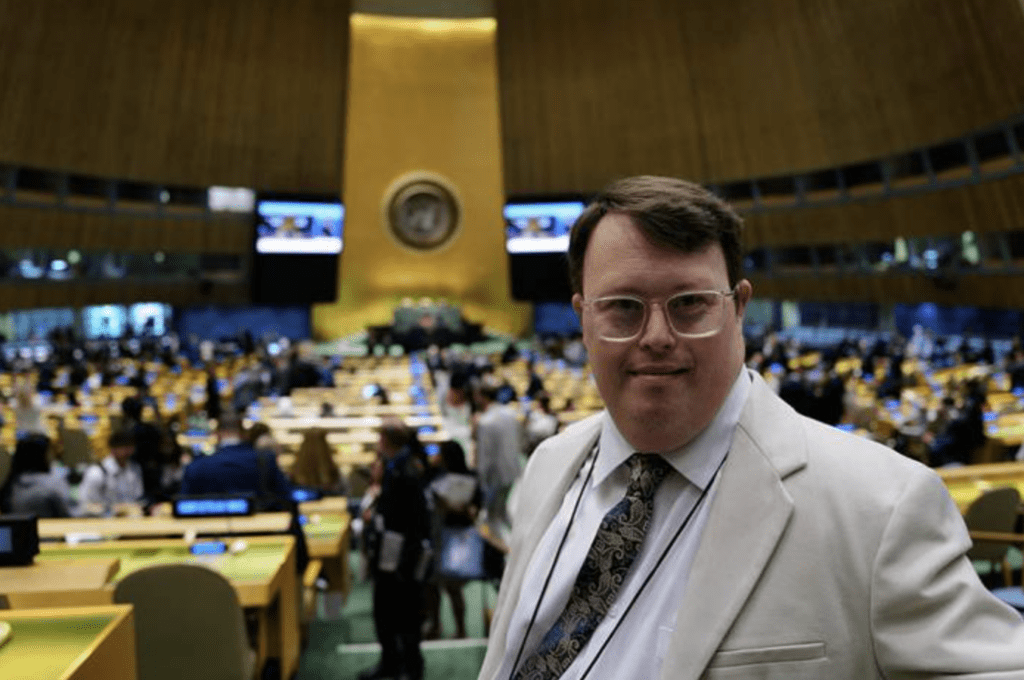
(147,453)
(499,455)
(398,553)
(770,545)
(115,480)
(236,467)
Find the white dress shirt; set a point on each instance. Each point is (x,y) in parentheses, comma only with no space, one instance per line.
(111,483)
(637,648)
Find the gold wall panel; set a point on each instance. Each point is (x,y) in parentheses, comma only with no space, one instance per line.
(422,98)
(734,89)
(190,92)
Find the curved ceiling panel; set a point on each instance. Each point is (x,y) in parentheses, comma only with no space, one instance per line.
(594,89)
(233,92)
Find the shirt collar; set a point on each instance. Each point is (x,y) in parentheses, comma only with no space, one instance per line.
(696,461)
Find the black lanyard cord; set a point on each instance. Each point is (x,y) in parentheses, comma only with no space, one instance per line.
(558,554)
(654,569)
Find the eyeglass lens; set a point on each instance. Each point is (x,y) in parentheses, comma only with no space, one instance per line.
(688,314)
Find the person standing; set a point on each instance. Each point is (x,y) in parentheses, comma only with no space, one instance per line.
(700,527)
(499,456)
(398,554)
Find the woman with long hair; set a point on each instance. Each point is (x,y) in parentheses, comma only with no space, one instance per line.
(314,466)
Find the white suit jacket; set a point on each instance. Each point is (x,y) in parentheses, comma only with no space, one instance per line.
(825,556)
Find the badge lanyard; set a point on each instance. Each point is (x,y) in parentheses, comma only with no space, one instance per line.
(593,462)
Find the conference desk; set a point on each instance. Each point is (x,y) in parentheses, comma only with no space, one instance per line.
(84,643)
(263,576)
(326,528)
(343,423)
(78,529)
(966,483)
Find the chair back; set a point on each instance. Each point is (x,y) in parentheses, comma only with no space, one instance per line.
(994,510)
(189,624)
(77,448)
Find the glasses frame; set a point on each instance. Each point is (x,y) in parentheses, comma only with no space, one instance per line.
(722,295)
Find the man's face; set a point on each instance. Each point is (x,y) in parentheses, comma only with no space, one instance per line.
(660,389)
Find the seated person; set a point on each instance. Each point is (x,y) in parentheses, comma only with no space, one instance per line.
(31,488)
(314,466)
(115,480)
(236,467)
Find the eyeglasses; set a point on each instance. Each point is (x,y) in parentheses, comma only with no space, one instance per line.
(692,314)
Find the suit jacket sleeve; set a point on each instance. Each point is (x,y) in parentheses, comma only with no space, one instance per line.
(930,616)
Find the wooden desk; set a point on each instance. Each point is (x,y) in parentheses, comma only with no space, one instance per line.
(328,534)
(345,423)
(263,576)
(151,527)
(84,643)
(55,575)
(966,483)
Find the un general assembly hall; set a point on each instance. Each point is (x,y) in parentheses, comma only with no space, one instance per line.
(459,339)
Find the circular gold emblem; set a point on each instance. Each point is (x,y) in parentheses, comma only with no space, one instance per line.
(423,214)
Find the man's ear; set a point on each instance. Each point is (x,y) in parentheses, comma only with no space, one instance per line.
(744,292)
(577,305)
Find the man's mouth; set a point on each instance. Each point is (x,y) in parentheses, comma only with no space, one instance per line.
(658,370)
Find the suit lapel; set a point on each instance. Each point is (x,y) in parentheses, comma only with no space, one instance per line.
(544,489)
(749,513)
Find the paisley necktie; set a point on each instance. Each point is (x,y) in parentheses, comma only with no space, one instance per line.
(615,548)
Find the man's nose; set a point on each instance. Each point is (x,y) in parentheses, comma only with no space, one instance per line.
(657,334)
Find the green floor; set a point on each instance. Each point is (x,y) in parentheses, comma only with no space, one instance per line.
(342,647)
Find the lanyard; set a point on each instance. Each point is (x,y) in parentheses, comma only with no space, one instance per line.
(661,558)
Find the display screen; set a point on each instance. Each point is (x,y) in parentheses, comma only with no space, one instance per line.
(208,548)
(539,227)
(212,507)
(6,540)
(299,227)
(300,495)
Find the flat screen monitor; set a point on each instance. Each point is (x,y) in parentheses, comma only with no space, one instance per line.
(299,227)
(539,227)
(104,321)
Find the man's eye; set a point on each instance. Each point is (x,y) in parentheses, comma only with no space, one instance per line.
(621,305)
(690,302)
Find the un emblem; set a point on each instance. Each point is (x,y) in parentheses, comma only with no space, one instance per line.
(423,214)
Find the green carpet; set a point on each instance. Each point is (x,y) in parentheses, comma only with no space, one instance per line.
(340,648)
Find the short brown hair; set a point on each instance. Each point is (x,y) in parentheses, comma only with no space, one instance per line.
(672,213)
(395,432)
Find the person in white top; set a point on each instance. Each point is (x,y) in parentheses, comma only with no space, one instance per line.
(114,481)
(775,546)
(499,456)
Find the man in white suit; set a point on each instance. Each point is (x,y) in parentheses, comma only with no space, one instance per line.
(776,547)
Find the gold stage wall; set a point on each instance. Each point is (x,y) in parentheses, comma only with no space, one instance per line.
(422,102)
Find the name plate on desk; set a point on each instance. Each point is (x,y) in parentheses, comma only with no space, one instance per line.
(214,506)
